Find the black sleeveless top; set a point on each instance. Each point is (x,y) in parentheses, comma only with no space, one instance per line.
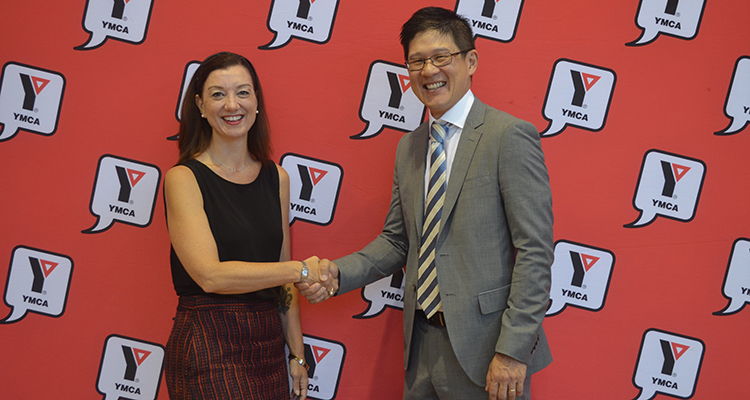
(245,221)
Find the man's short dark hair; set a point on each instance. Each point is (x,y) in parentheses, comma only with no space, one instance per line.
(443,21)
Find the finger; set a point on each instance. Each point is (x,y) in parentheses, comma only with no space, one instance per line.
(325,266)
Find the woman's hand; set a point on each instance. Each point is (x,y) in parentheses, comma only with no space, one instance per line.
(299,381)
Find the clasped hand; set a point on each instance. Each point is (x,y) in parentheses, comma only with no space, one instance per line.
(322,280)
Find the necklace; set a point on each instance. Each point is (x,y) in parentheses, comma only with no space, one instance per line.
(229,168)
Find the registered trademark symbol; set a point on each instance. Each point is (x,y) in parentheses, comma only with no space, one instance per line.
(44,292)
(124,18)
(674,197)
(36,110)
(583,286)
(494,17)
(674,375)
(309,19)
(585,106)
(131,202)
(677,15)
(137,380)
(401,108)
(312,200)
(315,378)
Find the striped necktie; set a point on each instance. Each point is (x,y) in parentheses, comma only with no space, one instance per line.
(428,293)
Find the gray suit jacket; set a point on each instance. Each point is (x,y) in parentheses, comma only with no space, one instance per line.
(494,249)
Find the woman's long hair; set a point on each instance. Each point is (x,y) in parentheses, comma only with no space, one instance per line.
(195,131)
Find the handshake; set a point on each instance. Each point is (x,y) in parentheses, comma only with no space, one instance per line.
(322,280)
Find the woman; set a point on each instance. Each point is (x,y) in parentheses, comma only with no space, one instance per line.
(227,207)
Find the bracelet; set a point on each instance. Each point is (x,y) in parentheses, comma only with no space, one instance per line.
(303,273)
(299,361)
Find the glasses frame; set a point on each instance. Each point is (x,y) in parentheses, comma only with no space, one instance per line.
(424,60)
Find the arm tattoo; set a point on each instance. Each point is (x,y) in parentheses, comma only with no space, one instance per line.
(285,300)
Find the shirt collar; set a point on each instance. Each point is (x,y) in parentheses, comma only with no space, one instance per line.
(457,115)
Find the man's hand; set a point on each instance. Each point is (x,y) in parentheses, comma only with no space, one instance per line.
(505,378)
(322,283)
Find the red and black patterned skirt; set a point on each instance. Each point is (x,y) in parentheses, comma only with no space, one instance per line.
(224,348)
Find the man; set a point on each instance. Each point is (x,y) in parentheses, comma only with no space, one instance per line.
(478,269)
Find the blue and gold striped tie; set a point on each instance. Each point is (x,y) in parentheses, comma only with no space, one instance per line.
(428,293)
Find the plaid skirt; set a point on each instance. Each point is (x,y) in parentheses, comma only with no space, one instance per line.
(224,348)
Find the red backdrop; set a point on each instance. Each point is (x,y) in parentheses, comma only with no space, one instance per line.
(118,99)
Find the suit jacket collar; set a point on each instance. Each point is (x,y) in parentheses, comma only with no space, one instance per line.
(467,146)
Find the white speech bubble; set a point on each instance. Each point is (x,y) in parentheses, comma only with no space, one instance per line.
(579,95)
(325,358)
(314,187)
(669,364)
(124,191)
(386,292)
(38,282)
(737,106)
(310,20)
(388,101)
(678,18)
(125,20)
(30,99)
(669,185)
(737,279)
(492,19)
(580,277)
(130,369)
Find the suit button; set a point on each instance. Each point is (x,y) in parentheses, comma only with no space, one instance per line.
(413,288)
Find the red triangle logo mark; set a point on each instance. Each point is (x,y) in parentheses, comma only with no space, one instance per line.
(312,1)
(48,267)
(317,174)
(39,83)
(134,176)
(589,80)
(679,350)
(405,82)
(588,261)
(140,355)
(319,353)
(679,171)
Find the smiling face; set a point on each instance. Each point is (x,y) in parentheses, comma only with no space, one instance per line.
(440,88)
(228,101)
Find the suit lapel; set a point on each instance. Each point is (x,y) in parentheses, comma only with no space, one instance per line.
(418,154)
(467,145)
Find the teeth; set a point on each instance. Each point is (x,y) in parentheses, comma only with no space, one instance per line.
(435,85)
(233,118)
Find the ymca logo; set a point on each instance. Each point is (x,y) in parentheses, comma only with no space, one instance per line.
(385,292)
(578,95)
(388,102)
(678,18)
(38,282)
(737,279)
(310,20)
(125,191)
(326,360)
(30,99)
(492,19)
(669,364)
(737,107)
(124,20)
(669,185)
(580,277)
(314,187)
(130,369)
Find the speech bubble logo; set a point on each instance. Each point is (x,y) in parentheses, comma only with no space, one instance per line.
(580,277)
(38,282)
(124,20)
(124,191)
(386,292)
(388,102)
(669,364)
(314,187)
(326,360)
(737,107)
(669,185)
(737,278)
(310,20)
(130,369)
(492,19)
(579,95)
(30,99)
(678,18)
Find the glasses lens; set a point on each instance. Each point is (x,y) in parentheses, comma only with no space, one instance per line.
(441,60)
(415,65)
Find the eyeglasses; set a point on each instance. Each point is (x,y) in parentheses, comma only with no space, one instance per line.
(438,60)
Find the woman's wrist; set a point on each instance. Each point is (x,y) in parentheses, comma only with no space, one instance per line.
(300,361)
(303,272)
